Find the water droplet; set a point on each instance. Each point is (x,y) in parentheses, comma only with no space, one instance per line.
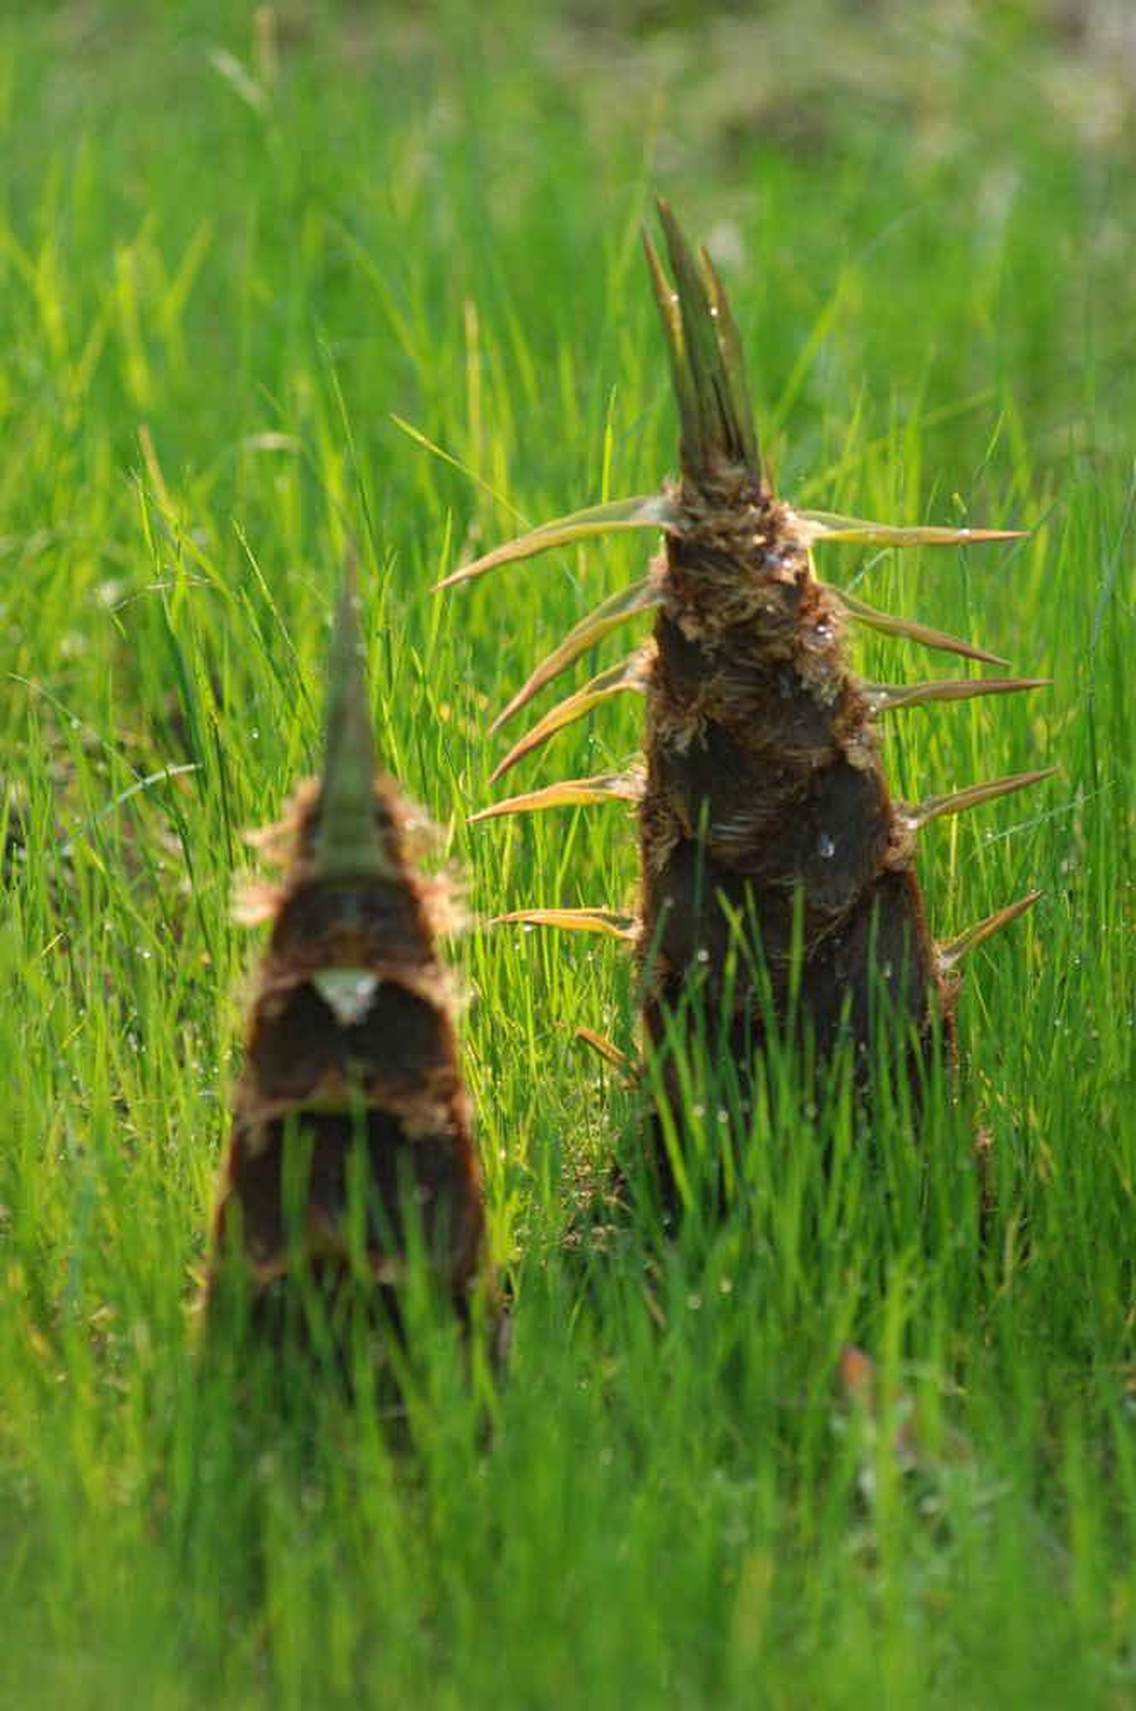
(702,954)
(826,847)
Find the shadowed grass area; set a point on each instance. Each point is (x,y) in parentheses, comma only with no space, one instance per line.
(228,259)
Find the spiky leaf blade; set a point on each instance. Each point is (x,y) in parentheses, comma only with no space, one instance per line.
(629,674)
(950,955)
(886,697)
(616,609)
(856,531)
(959,801)
(569,793)
(647,511)
(889,625)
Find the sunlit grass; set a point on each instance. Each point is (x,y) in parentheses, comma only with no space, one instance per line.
(216,296)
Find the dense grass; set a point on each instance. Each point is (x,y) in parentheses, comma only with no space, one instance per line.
(218,284)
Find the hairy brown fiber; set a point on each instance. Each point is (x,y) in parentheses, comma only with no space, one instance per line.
(350,1115)
(777,878)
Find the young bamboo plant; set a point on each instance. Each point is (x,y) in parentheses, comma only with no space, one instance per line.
(763,806)
(350,1113)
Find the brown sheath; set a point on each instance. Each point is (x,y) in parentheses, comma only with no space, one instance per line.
(777,883)
(351,1107)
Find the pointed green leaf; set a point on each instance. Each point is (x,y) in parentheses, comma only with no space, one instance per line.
(890,625)
(935,807)
(650,511)
(616,609)
(629,674)
(827,526)
(569,793)
(883,697)
(951,954)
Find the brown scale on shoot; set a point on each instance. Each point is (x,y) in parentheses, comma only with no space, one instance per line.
(762,801)
(351,1105)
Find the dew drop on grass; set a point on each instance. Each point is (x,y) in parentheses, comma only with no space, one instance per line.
(826,847)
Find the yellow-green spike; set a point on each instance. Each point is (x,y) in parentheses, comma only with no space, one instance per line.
(855,531)
(861,613)
(951,954)
(647,511)
(609,921)
(936,807)
(629,674)
(615,610)
(348,843)
(569,793)
(884,697)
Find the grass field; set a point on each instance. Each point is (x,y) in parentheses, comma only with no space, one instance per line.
(230,258)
